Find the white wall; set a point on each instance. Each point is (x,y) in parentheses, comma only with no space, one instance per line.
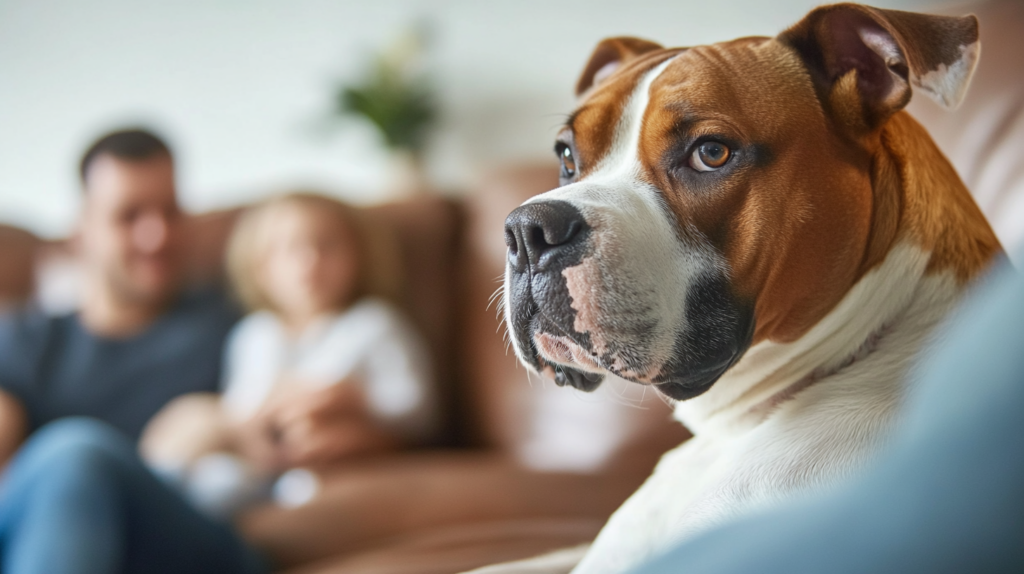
(242,87)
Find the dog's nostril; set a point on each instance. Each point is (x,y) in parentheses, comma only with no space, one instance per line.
(552,236)
(538,238)
(539,230)
(573,229)
(510,242)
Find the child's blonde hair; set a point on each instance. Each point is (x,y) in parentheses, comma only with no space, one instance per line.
(247,248)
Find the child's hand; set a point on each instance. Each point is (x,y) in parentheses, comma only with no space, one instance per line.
(320,426)
(258,440)
(296,399)
(328,441)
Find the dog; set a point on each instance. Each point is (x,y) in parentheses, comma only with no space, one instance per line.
(757,230)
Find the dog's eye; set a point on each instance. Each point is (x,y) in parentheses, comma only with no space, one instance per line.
(710,156)
(566,158)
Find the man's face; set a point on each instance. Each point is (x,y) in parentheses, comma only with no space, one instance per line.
(130,227)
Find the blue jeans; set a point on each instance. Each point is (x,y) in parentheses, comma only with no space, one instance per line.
(947,497)
(77,499)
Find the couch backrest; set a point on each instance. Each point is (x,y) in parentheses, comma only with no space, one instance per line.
(414,241)
(17,263)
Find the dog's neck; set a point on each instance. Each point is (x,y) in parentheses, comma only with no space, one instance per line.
(939,242)
(771,372)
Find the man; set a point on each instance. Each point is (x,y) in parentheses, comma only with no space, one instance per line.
(139,339)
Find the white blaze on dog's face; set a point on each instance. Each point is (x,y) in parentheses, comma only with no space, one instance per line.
(705,187)
(634,288)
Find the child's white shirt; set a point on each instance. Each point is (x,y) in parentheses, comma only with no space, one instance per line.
(371,342)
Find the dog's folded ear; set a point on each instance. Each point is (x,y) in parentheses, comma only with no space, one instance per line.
(608,56)
(864,60)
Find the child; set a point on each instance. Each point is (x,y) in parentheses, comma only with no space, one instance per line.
(314,351)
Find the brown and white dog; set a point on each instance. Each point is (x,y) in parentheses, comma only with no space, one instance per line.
(756,229)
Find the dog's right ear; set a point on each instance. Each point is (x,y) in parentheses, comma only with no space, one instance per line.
(608,56)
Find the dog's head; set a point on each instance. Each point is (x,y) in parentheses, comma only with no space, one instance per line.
(717,196)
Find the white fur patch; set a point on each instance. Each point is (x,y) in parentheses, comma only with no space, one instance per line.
(948,85)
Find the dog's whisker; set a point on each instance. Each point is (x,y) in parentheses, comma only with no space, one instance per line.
(499,310)
(666,400)
(497,290)
(498,294)
(529,376)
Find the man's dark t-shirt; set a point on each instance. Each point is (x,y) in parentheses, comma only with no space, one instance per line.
(56,368)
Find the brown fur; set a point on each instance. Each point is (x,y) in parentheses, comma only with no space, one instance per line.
(820,196)
(592,124)
(940,214)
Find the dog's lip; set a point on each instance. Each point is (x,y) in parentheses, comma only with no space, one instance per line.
(565,357)
(573,365)
(570,355)
(558,348)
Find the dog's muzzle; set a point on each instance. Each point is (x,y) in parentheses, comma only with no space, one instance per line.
(544,238)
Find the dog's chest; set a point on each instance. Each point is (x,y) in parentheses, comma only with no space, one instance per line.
(711,479)
(673,501)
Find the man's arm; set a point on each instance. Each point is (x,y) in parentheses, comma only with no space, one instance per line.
(13,426)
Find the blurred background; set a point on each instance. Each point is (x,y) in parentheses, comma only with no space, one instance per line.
(247,91)
(449,107)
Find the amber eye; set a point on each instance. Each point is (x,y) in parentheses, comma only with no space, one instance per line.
(709,156)
(566,158)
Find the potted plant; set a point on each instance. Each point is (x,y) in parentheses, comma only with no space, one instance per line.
(396,96)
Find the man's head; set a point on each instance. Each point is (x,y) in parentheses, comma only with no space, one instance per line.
(130,223)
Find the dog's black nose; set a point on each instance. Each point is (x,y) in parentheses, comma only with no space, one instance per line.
(544,234)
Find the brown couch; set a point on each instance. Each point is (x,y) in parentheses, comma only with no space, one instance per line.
(514,480)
